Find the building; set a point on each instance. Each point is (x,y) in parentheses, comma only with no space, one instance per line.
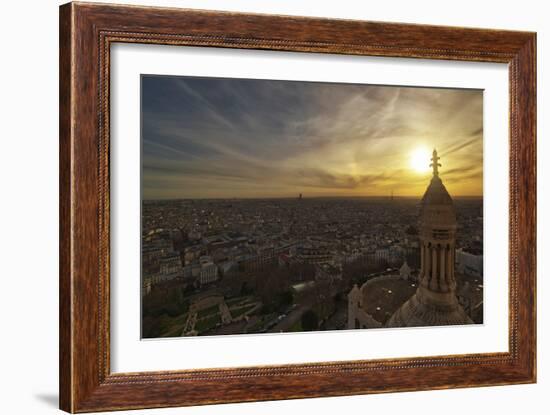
(191,253)
(170,268)
(145,286)
(283,260)
(153,249)
(469,262)
(382,254)
(327,272)
(313,256)
(191,272)
(435,302)
(209,272)
(170,264)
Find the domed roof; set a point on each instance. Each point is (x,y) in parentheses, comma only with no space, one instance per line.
(417,312)
(437,209)
(436,193)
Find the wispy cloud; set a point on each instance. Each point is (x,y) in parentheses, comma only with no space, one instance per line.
(207,137)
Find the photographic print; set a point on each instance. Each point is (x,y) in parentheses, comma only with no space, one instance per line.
(272,206)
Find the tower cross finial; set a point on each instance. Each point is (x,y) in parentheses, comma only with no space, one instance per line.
(435,163)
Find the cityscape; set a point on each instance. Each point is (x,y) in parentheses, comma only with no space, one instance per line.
(241,251)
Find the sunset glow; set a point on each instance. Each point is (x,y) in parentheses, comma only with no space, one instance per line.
(245,138)
(420,160)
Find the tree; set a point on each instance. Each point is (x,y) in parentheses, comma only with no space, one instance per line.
(166,298)
(271,285)
(286,298)
(310,321)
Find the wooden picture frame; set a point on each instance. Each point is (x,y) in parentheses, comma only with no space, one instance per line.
(86,33)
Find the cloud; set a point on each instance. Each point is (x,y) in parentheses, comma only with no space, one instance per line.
(477,136)
(235,137)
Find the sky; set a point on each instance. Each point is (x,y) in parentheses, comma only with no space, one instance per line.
(246,138)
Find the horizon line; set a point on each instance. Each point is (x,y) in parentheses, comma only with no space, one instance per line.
(303,197)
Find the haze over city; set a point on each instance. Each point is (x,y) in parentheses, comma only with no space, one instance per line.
(239,138)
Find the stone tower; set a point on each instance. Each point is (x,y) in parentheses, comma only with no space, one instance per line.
(435,302)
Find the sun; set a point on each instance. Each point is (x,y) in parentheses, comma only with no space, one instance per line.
(420,160)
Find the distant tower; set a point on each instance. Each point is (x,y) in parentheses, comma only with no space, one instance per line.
(300,196)
(435,302)
(391,197)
